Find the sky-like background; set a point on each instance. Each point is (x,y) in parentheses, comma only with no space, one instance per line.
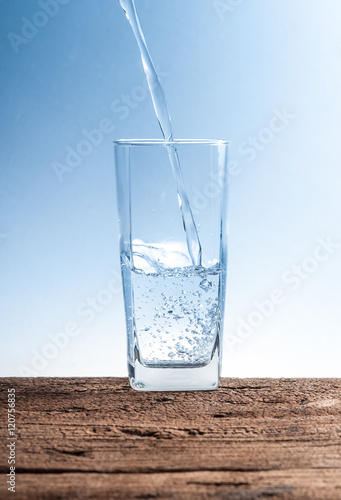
(264,74)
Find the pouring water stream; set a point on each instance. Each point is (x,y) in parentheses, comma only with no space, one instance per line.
(163,116)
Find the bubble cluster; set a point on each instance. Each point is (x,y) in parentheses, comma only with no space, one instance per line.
(177,315)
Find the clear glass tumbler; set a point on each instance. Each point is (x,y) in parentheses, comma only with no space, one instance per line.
(173,247)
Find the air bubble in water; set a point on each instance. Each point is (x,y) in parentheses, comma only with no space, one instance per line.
(205,284)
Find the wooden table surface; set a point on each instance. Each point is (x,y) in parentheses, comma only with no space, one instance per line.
(96,438)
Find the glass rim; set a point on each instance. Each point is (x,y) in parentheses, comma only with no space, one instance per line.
(174,142)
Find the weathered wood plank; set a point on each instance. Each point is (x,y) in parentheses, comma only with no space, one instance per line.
(288,484)
(252,438)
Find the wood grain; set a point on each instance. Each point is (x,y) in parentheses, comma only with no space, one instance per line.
(98,439)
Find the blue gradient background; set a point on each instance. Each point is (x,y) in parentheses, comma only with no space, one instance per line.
(224,72)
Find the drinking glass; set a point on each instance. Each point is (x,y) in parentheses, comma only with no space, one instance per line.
(174,297)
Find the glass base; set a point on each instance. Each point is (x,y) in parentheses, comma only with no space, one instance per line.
(203,378)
